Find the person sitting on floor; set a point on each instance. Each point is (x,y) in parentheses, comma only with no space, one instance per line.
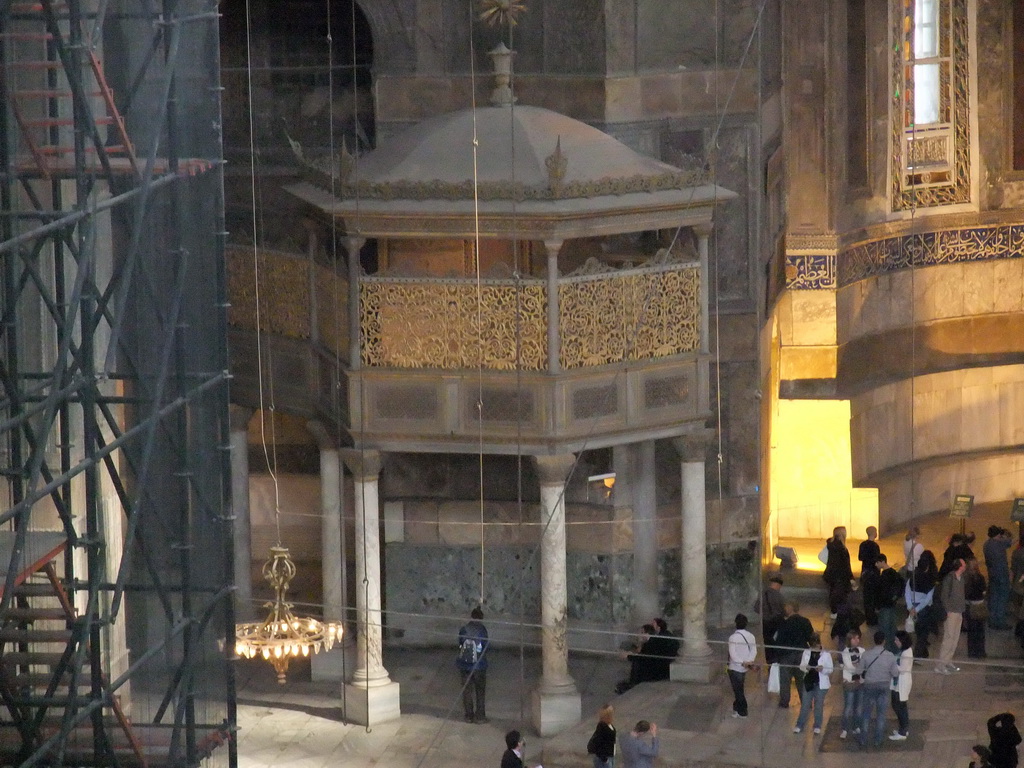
(645,663)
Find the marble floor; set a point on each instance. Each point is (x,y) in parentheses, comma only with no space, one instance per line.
(300,724)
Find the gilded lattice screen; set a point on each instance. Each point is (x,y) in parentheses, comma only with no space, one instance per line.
(283,291)
(633,315)
(332,309)
(409,323)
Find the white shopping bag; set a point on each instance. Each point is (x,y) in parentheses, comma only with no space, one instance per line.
(773,678)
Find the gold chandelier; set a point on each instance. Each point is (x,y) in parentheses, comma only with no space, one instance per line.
(283,636)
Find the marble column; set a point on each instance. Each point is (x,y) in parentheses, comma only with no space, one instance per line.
(694,662)
(239,418)
(370,697)
(556,702)
(554,337)
(646,603)
(352,247)
(703,233)
(331,665)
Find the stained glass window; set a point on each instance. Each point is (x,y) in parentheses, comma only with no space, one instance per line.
(930,103)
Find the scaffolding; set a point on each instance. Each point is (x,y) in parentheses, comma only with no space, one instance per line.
(116,617)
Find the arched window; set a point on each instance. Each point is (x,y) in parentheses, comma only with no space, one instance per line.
(927,63)
(930,103)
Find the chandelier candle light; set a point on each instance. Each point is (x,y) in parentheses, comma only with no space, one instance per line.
(283,636)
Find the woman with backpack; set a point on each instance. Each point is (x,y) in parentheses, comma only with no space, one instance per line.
(921,599)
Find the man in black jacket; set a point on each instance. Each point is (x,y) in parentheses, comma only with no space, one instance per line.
(887,596)
(794,634)
(772,607)
(513,757)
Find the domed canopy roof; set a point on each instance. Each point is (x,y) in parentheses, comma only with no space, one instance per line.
(515,146)
(535,172)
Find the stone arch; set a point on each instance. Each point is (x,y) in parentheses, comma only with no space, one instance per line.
(393,33)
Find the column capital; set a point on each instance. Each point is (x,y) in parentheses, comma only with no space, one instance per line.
(553,246)
(325,441)
(354,244)
(704,229)
(553,470)
(239,417)
(694,446)
(363,464)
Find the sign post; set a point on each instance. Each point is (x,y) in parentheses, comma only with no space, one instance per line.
(1017,515)
(961,509)
(1017,511)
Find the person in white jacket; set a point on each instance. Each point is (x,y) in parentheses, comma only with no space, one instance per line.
(816,666)
(901,684)
(742,653)
(850,721)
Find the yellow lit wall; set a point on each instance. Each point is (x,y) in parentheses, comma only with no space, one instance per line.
(810,475)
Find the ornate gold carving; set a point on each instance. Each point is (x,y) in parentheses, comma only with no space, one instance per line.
(284,299)
(629,315)
(634,315)
(450,324)
(332,310)
(556,163)
(931,150)
(326,175)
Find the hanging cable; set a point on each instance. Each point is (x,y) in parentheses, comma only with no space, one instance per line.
(271,464)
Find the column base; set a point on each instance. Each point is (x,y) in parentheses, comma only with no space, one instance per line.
(554,712)
(371,706)
(335,664)
(693,669)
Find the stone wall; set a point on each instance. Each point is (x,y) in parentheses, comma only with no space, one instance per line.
(927,294)
(430,591)
(945,433)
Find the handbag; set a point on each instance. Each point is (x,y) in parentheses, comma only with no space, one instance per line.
(908,625)
(823,555)
(977,611)
(773,678)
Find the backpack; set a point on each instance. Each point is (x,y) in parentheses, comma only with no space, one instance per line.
(811,676)
(471,645)
(468,651)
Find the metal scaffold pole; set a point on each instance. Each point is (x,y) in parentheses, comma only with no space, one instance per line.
(116,618)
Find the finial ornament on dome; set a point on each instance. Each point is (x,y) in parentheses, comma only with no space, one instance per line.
(502,95)
(504,12)
(556,163)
